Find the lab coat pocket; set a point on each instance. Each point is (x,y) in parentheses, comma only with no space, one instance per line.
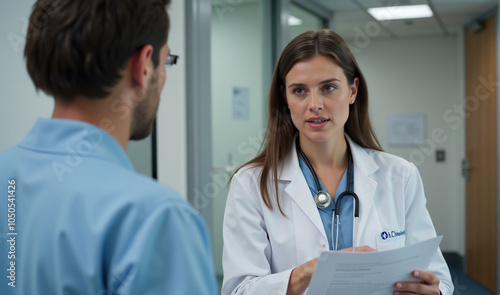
(392,243)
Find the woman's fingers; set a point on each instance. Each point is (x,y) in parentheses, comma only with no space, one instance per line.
(360,249)
(428,285)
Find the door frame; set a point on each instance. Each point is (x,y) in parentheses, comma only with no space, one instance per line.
(498,148)
(198,107)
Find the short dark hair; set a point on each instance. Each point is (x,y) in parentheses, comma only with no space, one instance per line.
(80,47)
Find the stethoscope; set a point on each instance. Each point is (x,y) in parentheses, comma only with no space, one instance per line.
(323,198)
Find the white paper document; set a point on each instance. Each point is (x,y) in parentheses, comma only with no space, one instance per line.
(347,273)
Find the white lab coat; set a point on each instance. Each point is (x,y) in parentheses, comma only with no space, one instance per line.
(261,247)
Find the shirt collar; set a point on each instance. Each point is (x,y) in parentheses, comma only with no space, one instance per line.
(362,161)
(75,138)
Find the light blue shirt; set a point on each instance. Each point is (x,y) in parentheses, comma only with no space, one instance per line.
(86,223)
(346,210)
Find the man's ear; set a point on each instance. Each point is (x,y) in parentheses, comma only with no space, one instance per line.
(141,66)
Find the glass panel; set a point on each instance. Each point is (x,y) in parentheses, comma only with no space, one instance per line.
(302,21)
(241,71)
(140,154)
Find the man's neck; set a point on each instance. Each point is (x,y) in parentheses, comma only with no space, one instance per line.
(98,112)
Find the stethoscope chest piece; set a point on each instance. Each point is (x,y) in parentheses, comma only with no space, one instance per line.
(322,199)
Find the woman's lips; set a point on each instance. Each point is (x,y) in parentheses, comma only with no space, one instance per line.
(317,123)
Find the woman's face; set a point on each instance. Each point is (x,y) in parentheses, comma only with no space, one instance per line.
(318,96)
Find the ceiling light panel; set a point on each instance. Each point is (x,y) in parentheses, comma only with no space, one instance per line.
(400,12)
(294,21)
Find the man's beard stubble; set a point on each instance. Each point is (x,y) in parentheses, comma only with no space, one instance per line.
(145,112)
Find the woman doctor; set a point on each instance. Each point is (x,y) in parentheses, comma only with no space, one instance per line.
(273,228)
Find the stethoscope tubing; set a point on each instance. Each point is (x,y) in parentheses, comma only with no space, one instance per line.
(347,192)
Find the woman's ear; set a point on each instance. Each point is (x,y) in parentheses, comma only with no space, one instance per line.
(354,90)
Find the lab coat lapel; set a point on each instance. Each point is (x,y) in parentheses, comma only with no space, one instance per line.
(298,190)
(364,186)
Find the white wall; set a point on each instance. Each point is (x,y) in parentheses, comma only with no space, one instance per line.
(140,154)
(172,117)
(424,75)
(20,105)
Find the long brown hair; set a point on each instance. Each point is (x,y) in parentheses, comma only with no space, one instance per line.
(280,129)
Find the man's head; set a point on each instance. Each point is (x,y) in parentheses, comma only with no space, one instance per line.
(86,48)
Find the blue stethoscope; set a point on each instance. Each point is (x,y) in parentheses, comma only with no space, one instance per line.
(323,198)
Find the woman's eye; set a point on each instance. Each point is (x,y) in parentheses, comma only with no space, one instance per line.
(328,88)
(299,91)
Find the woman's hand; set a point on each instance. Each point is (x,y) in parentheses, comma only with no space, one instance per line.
(360,249)
(429,284)
(300,277)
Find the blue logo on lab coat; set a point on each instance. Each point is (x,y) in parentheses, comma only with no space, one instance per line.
(392,234)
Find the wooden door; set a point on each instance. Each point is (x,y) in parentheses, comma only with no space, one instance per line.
(481,152)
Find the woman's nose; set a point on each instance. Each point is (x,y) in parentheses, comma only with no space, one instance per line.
(315,102)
